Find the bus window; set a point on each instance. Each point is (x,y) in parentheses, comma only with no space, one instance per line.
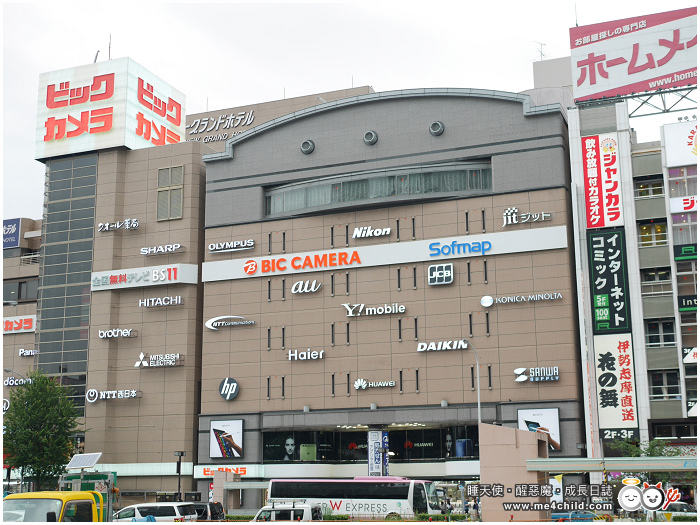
(420,501)
(264,516)
(283,515)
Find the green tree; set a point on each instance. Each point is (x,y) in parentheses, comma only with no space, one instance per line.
(38,427)
(653,448)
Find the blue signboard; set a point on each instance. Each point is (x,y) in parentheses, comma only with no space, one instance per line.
(11,229)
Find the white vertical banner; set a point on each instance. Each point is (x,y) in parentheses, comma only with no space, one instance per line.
(616,387)
(374,453)
(601,175)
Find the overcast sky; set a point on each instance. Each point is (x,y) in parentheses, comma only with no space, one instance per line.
(222,55)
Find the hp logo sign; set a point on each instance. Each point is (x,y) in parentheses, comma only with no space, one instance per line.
(228,388)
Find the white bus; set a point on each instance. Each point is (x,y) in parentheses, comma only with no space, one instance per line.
(365,496)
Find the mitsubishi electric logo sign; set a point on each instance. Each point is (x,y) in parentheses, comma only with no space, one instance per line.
(157,361)
(217,322)
(544,373)
(363,384)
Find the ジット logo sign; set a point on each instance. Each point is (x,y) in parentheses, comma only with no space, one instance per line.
(250,267)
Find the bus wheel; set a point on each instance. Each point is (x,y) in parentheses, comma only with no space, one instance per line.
(393,516)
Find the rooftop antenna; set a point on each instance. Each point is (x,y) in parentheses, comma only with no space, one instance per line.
(542,55)
(98,52)
(575,15)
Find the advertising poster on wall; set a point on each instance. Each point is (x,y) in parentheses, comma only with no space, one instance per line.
(541,420)
(634,55)
(681,144)
(616,387)
(226,439)
(607,256)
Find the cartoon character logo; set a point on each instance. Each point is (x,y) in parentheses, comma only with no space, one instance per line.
(608,145)
(653,496)
(630,498)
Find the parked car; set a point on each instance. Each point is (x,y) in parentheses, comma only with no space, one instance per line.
(209,510)
(172,511)
(680,508)
(289,512)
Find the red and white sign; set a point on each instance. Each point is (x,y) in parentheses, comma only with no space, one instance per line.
(105,105)
(634,55)
(19,324)
(146,276)
(601,174)
(681,144)
(615,382)
(683,204)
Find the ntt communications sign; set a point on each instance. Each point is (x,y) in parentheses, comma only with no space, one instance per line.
(432,250)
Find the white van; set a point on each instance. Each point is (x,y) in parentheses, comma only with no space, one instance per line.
(289,512)
(172,511)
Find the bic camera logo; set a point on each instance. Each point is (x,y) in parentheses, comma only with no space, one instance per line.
(653,497)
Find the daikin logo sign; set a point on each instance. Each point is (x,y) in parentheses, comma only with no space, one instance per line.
(459,344)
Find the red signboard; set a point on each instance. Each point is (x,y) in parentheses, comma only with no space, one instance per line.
(601,170)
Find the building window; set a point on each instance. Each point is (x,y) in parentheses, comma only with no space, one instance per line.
(646,189)
(268,387)
(466,221)
(283,290)
(471,325)
(332,285)
(483,220)
(333,334)
(652,234)
(657,281)
(413,226)
(347,333)
(683,182)
(170,193)
(347,235)
(664,384)
(415,328)
(417,381)
(282,387)
(685,228)
(398,277)
(21,290)
(660,332)
(400,381)
(415,278)
(348,385)
(347,283)
(283,337)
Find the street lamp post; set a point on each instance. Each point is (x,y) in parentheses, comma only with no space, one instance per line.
(179,454)
(478,382)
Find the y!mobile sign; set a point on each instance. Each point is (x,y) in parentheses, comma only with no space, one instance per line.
(105,105)
(601,170)
(634,55)
(385,254)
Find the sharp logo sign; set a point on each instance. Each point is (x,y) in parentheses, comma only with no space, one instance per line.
(440,274)
(459,344)
(160,250)
(216,322)
(357,310)
(367,231)
(231,246)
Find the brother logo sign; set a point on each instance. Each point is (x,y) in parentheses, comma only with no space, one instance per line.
(440,274)
(117,332)
(228,388)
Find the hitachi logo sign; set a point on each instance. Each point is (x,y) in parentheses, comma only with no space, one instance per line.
(160,301)
(367,231)
(459,344)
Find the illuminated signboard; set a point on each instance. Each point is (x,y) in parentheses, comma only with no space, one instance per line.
(11,230)
(19,324)
(634,55)
(106,105)
(681,144)
(147,276)
(601,175)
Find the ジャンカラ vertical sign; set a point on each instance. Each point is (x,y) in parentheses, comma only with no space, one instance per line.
(609,284)
(601,175)
(616,387)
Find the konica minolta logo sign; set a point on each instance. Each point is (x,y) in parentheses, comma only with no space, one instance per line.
(363,384)
(487,300)
(227,320)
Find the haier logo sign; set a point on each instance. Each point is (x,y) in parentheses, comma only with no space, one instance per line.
(455,248)
(440,274)
(231,246)
(367,231)
(228,388)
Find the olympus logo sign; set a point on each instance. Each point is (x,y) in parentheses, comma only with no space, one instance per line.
(356,310)
(231,246)
(487,300)
(440,274)
(459,344)
(159,250)
(228,388)
(367,231)
(26,353)
(543,373)
(116,332)
(362,384)
(217,322)
(305,287)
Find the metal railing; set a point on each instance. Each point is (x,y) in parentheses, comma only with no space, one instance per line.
(30,258)
(657,288)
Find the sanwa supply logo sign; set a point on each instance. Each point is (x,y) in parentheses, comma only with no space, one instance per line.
(218,322)
(505,242)
(544,373)
(228,388)
(363,384)
(440,274)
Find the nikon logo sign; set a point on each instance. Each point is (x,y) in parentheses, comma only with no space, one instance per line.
(367,231)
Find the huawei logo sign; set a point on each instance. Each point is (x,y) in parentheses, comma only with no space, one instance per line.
(360,384)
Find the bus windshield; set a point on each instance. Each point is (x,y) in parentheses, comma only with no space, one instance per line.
(432,495)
